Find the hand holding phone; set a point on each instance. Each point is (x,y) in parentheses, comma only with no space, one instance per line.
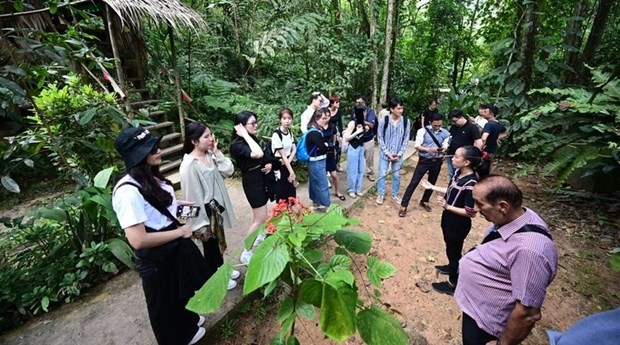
(188,211)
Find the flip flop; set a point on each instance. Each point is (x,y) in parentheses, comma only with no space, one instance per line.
(341,197)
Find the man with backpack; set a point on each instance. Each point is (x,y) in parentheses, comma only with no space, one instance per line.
(431,142)
(393,137)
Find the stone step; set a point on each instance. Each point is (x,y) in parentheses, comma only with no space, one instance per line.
(170,167)
(160,125)
(157,113)
(172,149)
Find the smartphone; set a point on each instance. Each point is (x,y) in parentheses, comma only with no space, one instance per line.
(188,211)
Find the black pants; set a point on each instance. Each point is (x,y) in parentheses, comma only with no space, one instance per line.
(284,189)
(455,229)
(430,165)
(474,335)
(213,256)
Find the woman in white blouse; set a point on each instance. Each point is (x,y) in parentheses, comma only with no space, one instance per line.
(202,172)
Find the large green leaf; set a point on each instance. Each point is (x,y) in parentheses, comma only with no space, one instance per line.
(210,296)
(286,309)
(53,214)
(103,177)
(376,327)
(10,184)
(312,292)
(304,309)
(313,255)
(337,319)
(122,251)
(378,270)
(354,241)
(267,263)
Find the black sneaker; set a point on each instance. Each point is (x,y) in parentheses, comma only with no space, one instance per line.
(444,287)
(443,269)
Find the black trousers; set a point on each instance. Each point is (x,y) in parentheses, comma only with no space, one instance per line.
(474,335)
(284,189)
(213,256)
(455,229)
(430,165)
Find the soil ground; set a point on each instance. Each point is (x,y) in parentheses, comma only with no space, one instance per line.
(583,233)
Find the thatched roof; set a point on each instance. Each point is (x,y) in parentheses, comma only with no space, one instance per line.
(173,12)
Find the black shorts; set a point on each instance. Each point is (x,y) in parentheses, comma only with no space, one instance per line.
(254,188)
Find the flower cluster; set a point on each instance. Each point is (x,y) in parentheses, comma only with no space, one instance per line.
(291,208)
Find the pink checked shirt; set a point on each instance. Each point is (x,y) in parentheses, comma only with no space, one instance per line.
(497,274)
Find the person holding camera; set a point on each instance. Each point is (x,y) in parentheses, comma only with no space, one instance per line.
(431,142)
(356,164)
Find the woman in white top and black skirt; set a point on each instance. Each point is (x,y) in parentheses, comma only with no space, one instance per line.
(283,147)
(170,264)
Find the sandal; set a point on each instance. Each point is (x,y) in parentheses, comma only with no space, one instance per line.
(341,197)
(402,212)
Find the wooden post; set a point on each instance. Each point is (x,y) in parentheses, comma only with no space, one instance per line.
(177,83)
(117,62)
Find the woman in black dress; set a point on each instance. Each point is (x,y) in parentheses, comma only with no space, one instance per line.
(248,154)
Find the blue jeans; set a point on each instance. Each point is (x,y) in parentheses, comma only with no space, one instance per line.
(356,164)
(383,167)
(451,169)
(317,183)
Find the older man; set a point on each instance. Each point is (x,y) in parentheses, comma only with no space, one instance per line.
(502,282)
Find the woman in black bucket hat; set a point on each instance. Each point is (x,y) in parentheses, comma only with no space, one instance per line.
(169,263)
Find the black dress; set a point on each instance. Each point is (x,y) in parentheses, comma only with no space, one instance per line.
(252,178)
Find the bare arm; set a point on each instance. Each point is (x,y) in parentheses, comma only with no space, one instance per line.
(287,163)
(520,323)
(140,239)
(479,144)
(256,151)
(484,138)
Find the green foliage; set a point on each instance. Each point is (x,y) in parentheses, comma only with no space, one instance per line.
(53,253)
(573,129)
(316,281)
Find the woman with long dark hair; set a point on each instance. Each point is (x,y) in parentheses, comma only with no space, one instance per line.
(169,263)
(336,119)
(202,172)
(330,134)
(458,205)
(317,147)
(284,149)
(248,154)
(356,164)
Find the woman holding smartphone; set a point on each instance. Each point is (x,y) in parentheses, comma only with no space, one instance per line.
(356,164)
(169,263)
(202,171)
(248,154)
(283,146)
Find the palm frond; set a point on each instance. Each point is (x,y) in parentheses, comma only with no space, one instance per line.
(173,12)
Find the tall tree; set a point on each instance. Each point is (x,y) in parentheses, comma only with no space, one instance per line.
(373,64)
(594,39)
(528,45)
(388,50)
(572,41)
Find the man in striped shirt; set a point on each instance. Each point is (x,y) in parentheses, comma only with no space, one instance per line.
(502,282)
(393,137)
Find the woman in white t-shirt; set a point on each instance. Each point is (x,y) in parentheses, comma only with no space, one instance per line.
(283,147)
(169,263)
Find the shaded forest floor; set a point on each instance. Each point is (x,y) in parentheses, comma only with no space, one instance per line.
(584,232)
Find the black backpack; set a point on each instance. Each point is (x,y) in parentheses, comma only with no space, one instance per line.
(386,122)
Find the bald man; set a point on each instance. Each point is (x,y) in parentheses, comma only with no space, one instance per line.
(502,282)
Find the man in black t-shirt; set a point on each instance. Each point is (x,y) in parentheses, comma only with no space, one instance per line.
(493,132)
(425,116)
(462,133)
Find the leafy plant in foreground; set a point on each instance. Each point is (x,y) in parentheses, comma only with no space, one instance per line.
(289,255)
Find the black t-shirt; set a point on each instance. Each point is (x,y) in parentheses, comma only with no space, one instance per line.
(337,121)
(427,113)
(315,143)
(463,136)
(240,151)
(459,193)
(494,128)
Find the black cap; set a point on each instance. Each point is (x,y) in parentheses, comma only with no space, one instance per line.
(134,144)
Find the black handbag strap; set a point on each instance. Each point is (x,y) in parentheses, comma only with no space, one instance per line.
(153,202)
(433,137)
(493,235)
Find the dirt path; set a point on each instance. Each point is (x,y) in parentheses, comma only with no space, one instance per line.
(414,244)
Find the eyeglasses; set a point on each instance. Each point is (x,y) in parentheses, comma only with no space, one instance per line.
(255,123)
(154,149)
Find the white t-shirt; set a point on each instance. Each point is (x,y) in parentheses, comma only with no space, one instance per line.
(132,209)
(286,143)
(480,121)
(305,118)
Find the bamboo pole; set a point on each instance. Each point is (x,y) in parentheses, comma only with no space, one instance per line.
(177,83)
(117,62)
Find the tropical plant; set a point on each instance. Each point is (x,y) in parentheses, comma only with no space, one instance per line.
(575,129)
(289,255)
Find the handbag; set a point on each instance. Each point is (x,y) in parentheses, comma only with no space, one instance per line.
(216,223)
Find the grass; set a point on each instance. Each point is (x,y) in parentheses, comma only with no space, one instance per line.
(589,281)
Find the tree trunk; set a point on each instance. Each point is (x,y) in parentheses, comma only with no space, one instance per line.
(388,50)
(336,21)
(373,65)
(455,68)
(396,30)
(528,46)
(573,41)
(594,39)
(364,24)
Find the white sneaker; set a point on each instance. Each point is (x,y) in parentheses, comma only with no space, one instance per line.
(235,274)
(201,320)
(359,194)
(397,199)
(259,239)
(199,334)
(245,257)
(379,200)
(231,284)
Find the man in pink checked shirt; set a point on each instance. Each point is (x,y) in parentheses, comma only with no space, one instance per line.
(502,282)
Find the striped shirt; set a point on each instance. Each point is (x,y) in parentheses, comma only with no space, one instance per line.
(393,142)
(497,274)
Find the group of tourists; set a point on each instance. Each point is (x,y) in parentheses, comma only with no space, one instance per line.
(500,286)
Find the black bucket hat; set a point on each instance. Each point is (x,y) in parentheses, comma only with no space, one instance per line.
(134,144)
